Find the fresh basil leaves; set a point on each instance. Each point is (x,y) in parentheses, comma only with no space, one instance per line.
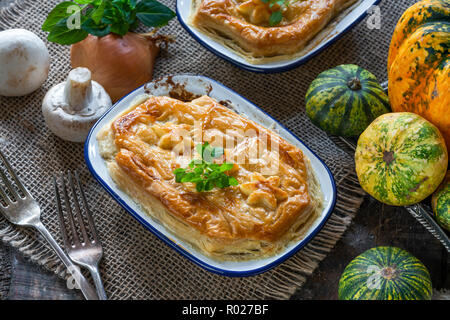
(70,22)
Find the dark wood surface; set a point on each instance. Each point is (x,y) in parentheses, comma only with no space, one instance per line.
(375,225)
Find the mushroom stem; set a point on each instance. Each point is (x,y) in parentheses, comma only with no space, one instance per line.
(78,89)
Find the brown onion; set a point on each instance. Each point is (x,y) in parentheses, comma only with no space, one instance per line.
(119,63)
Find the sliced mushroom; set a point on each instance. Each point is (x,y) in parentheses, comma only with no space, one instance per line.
(72,107)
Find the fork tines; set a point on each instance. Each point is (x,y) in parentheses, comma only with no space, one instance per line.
(76,241)
(8,193)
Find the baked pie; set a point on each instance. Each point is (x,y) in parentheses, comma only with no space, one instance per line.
(246,26)
(260,216)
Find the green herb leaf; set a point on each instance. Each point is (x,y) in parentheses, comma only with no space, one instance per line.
(205,174)
(120,29)
(101,17)
(209,185)
(132,3)
(178,170)
(153,14)
(61,34)
(122,8)
(232,181)
(98,30)
(85,1)
(110,15)
(178,177)
(57,14)
(225,181)
(226,166)
(275,18)
(200,186)
(97,14)
(199,170)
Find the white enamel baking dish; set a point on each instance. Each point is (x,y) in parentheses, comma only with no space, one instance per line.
(203,85)
(183,9)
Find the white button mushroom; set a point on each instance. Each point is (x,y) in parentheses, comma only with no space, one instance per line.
(24,62)
(72,107)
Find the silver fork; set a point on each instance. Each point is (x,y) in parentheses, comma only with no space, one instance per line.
(23,210)
(87,252)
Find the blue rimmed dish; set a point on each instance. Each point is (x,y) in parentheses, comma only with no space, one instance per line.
(199,85)
(183,10)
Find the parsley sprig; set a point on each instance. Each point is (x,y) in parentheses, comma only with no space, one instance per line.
(276,16)
(204,173)
(70,22)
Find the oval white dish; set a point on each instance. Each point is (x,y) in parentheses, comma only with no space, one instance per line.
(200,85)
(183,10)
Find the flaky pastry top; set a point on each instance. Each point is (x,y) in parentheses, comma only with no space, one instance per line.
(159,135)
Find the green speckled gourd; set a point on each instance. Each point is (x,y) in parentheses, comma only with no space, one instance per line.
(441,203)
(401,158)
(344,100)
(385,273)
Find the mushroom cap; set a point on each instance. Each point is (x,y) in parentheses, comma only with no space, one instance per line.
(24,62)
(67,123)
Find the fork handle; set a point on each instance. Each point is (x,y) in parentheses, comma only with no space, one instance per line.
(98,282)
(85,286)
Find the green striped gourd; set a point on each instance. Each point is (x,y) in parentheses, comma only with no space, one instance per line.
(385,273)
(441,203)
(401,158)
(344,100)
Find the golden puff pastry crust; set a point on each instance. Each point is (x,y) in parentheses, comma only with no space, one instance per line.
(257,218)
(246,23)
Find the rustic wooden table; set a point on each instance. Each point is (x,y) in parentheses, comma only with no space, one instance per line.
(375,225)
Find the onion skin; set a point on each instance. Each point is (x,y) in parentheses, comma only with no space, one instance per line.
(119,63)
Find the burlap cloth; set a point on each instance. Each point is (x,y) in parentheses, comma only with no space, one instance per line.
(136,264)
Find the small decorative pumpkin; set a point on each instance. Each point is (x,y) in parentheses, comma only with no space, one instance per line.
(385,273)
(419,63)
(401,158)
(344,100)
(441,203)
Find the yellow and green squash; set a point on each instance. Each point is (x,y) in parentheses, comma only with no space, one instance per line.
(419,63)
(440,202)
(385,273)
(344,100)
(401,158)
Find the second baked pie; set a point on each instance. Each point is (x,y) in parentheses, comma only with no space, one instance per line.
(258,29)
